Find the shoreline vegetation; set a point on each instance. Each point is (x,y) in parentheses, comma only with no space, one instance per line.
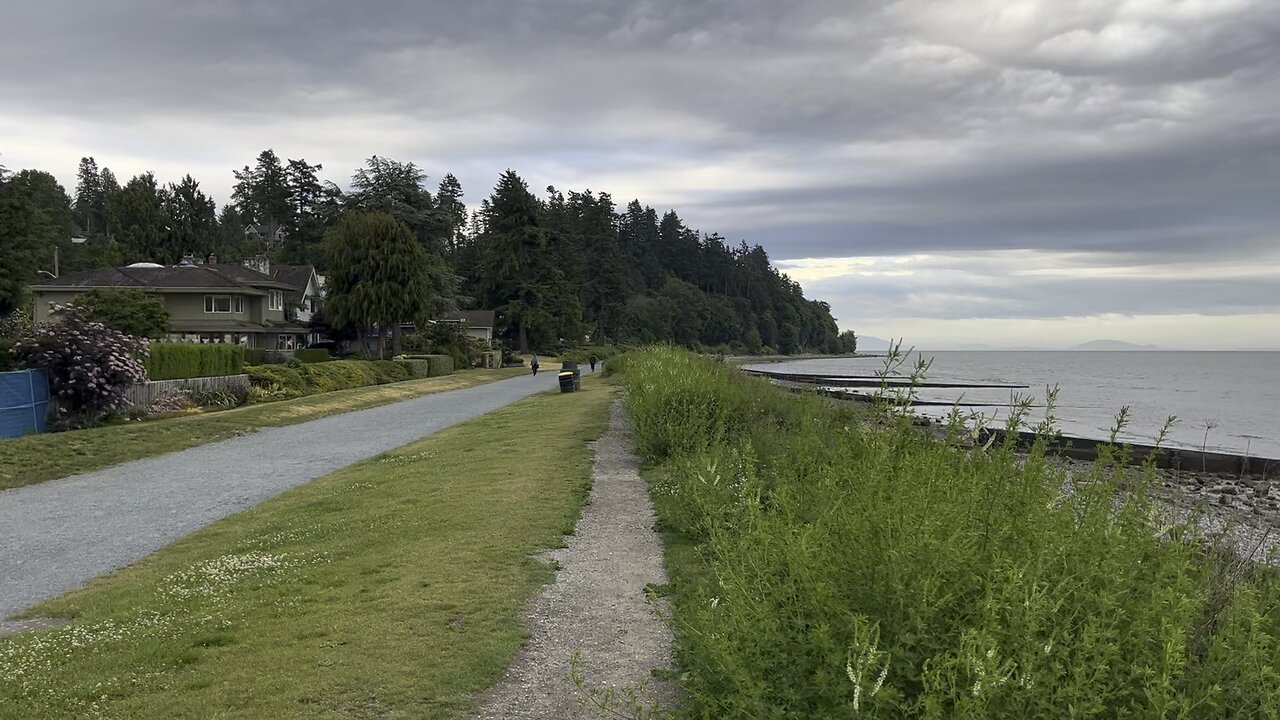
(38,458)
(833,560)
(395,587)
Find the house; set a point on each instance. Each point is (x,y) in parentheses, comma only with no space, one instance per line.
(475,323)
(208,302)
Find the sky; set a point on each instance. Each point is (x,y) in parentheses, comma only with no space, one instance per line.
(955,172)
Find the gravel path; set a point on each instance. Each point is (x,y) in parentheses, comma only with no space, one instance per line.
(57,535)
(597,604)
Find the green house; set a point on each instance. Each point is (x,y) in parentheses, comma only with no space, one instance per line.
(253,304)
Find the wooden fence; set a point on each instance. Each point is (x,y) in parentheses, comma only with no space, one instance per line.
(143,394)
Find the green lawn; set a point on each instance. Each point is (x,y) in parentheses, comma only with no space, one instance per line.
(391,589)
(36,458)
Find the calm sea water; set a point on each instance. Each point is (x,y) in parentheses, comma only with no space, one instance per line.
(1236,394)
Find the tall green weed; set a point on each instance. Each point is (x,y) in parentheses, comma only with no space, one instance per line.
(845,564)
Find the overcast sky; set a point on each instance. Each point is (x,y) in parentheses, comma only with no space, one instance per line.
(1006,172)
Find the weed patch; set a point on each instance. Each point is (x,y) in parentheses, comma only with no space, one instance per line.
(831,562)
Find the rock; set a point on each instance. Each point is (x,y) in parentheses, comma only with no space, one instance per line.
(1228,489)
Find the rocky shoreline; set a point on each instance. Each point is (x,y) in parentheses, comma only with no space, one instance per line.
(1240,510)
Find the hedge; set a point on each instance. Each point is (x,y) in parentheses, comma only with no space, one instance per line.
(281,381)
(312,355)
(179,361)
(437,365)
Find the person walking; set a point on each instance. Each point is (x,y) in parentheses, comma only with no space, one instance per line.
(593,362)
(533,363)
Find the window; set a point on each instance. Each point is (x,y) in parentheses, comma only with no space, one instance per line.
(239,304)
(285,342)
(217,303)
(277,300)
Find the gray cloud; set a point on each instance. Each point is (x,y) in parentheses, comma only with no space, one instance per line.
(1138,131)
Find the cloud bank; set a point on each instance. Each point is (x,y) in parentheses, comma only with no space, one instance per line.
(1018,161)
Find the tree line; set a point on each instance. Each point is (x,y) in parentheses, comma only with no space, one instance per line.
(563,268)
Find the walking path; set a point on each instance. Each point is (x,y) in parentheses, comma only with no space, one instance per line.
(596,606)
(57,535)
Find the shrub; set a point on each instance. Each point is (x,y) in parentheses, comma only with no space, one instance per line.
(129,310)
(90,365)
(311,355)
(7,359)
(439,365)
(179,361)
(277,382)
(218,398)
(828,563)
(255,356)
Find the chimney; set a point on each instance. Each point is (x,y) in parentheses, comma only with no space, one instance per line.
(213,259)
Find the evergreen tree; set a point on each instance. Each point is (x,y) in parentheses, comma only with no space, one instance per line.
(262,194)
(139,225)
(379,275)
(109,188)
(453,213)
(516,273)
(309,199)
(191,221)
(35,215)
(90,203)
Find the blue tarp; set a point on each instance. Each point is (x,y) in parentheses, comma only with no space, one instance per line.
(24,402)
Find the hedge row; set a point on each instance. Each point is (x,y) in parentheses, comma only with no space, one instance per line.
(311,355)
(179,361)
(290,381)
(435,365)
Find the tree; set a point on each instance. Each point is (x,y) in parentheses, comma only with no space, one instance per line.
(35,213)
(398,189)
(379,275)
(847,343)
(137,218)
(110,188)
(453,213)
(262,194)
(190,220)
(129,310)
(517,276)
(90,202)
(310,201)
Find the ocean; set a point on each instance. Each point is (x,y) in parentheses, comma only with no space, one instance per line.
(1224,401)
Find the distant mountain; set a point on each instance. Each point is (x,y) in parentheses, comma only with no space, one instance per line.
(870,343)
(1112,345)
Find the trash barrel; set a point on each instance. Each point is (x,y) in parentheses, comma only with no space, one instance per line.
(569,365)
(566,381)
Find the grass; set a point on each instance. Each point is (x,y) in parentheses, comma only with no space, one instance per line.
(37,458)
(827,562)
(391,589)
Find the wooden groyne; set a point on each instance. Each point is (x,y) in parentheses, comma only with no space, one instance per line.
(1077,448)
(876,381)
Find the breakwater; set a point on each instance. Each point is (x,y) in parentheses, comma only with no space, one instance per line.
(845,387)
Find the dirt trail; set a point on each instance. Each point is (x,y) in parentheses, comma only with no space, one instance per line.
(597,605)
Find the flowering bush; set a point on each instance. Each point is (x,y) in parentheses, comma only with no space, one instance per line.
(171,402)
(90,366)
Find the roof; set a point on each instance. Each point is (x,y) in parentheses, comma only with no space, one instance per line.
(470,318)
(225,276)
(295,276)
